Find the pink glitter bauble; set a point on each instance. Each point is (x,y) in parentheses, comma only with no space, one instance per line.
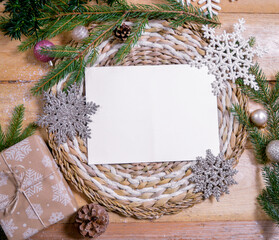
(37,48)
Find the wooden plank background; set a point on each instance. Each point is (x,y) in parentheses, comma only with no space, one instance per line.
(236,216)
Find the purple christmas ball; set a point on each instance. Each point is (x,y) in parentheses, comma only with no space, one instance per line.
(37,48)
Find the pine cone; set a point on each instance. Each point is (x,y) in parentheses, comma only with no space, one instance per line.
(122,32)
(92,220)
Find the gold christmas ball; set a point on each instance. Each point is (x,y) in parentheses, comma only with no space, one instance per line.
(259,117)
(79,33)
(272,151)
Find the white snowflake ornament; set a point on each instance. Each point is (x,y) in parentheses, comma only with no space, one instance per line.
(229,56)
(209,7)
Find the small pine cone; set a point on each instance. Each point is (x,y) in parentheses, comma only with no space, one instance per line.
(122,32)
(92,220)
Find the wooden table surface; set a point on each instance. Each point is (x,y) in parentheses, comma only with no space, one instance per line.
(236,216)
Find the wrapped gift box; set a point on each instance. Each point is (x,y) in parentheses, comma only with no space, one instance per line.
(33,192)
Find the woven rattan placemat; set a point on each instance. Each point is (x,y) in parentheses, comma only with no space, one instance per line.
(150,190)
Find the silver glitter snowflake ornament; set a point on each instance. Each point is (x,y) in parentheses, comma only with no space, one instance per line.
(213,175)
(228,56)
(67,114)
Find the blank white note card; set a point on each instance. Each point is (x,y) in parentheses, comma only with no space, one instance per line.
(151,114)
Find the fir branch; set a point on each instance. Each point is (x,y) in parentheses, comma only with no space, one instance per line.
(14,133)
(59,72)
(92,57)
(16,124)
(275,94)
(60,51)
(132,40)
(241,115)
(252,41)
(258,140)
(269,198)
(67,19)
(2,138)
(22,17)
(264,89)
(260,96)
(67,68)
(108,19)
(267,97)
(78,75)
(28,131)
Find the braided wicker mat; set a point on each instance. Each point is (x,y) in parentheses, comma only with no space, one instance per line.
(149,190)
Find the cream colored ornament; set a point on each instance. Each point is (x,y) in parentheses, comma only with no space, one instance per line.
(272,151)
(79,33)
(259,117)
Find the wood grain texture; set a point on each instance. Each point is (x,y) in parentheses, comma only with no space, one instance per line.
(236,216)
(225,230)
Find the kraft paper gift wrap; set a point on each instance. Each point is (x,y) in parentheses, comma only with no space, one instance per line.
(33,192)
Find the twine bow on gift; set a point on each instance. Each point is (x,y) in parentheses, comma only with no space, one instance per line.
(19,180)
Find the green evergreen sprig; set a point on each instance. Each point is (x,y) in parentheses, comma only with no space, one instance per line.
(21,17)
(57,18)
(15,133)
(269,198)
(267,96)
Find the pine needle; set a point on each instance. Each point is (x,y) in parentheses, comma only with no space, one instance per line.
(57,17)
(15,127)
(269,198)
(266,96)
(14,132)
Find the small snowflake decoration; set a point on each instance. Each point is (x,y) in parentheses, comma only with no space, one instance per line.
(55,217)
(60,194)
(67,114)
(210,7)
(213,175)
(29,232)
(32,182)
(31,214)
(3,179)
(9,227)
(19,151)
(228,56)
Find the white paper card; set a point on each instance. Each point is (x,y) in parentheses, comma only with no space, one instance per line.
(151,114)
